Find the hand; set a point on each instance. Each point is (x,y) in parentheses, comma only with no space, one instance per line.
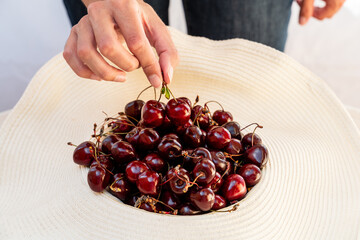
(308,10)
(107,26)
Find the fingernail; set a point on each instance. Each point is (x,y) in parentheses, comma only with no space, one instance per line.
(303,20)
(170,73)
(155,80)
(95,77)
(120,78)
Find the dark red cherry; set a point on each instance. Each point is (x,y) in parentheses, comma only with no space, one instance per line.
(169,149)
(107,143)
(195,156)
(202,152)
(246,140)
(204,171)
(234,129)
(98,178)
(123,152)
(132,200)
(120,187)
(203,199)
(257,155)
(218,137)
(155,162)
(180,130)
(222,117)
(123,125)
(166,126)
(220,161)
(133,136)
(148,139)
(216,183)
(251,174)
(233,147)
(171,136)
(153,114)
(188,209)
(193,137)
(219,203)
(234,187)
(202,119)
(178,111)
(178,180)
(133,109)
(84,153)
(148,183)
(185,99)
(134,169)
(170,200)
(103,161)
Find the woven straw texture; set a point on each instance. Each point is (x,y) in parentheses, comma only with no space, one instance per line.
(310,188)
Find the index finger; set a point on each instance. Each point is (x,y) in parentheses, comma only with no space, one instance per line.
(127,15)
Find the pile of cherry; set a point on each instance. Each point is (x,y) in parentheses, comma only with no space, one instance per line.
(176,158)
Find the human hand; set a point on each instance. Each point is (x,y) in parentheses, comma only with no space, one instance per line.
(308,10)
(107,26)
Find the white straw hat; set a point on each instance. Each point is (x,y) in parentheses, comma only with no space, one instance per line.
(310,188)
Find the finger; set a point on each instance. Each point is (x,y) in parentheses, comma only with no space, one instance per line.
(299,2)
(127,16)
(160,38)
(327,11)
(72,59)
(306,11)
(86,50)
(107,38)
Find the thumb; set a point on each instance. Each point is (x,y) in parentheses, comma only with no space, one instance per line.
(306,11)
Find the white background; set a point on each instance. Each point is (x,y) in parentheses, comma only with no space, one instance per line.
(34,31)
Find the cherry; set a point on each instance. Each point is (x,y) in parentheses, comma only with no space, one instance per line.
(147,207)
(234,187)
(84,153)
(178,111)
(219,203)
(133,109)
(246,140)
(148,183)
(234,129)
(222,117)
(257,155)
(188,209)
(134,169)
(194,137)
(148,139)
(153,114)
(120,187)
(133,136)
(202,119)
(123,125)
(108,142)
(204,171)
(251,174)
(169,149)
(123,152)
(170,200)
(218,137)
(180,130)
(216,183)
(166,126)
(178,180)
(171,136)
(196,155)
(155,162)
(234,146)
(132,200)
(219,160)
(185,99)
(203,199)
(98,178)
(104,161)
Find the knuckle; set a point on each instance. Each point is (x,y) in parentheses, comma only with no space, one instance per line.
(136,43)
(131,66)
(94,7)
(84,54)
(151,67)
(106,75)
(67,54)
(107,47)
(83,72)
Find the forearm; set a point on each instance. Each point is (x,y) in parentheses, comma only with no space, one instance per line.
(87,2)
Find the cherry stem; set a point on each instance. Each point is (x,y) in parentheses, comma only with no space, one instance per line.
(143,91)
(234,208)
(252,136)
(196,100)
(213,101)
(251,125)
(71,144)
(171,93)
